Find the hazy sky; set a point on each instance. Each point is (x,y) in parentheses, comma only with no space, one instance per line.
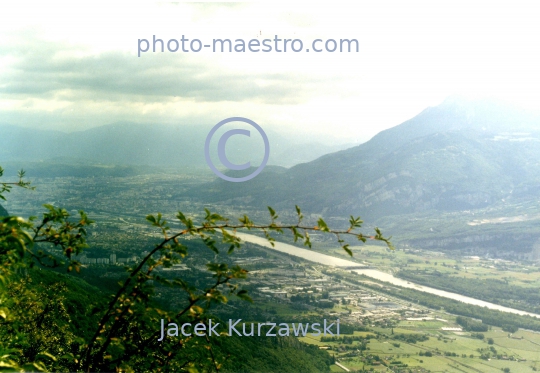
(70,67)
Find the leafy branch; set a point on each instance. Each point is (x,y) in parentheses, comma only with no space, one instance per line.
(19,236)
(121,340)
(134,290)
(6,187)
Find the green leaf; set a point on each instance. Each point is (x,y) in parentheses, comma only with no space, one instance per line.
(307,240)
(47,355)
(322,225)
(243,294)
(272,213)
(181,217)
(347,250)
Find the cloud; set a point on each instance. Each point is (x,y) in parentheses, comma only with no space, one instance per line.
(67,86)
(43,69)
(72,67)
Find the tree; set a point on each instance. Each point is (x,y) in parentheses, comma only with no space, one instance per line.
(126,335)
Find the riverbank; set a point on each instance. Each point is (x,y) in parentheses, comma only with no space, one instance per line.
(324,259)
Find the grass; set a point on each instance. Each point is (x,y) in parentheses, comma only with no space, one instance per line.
(441,342)
(335,368)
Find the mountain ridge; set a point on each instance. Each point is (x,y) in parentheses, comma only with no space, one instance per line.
(449,157)
(126,143)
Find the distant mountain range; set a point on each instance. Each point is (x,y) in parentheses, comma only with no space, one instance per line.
(137,144)
(461,155)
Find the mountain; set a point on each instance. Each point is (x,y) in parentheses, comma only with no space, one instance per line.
(142,144)
(458,156)
(3,211)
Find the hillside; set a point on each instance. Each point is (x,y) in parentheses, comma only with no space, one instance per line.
(73,320)
(458,156)
(3,211)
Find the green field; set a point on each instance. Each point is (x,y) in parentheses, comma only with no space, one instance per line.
(519,352)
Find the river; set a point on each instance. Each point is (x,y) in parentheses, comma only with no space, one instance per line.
(373,273)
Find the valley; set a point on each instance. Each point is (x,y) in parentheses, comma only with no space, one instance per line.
(286,285)
(454,187)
